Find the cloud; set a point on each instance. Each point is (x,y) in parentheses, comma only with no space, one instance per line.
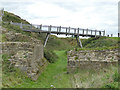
(93,14)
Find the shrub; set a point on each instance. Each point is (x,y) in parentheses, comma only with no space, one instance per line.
(50,56)
(76,57)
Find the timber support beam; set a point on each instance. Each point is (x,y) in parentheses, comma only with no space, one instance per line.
(46,39)
(79,41)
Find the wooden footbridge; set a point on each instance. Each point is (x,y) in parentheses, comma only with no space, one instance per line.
(49,29)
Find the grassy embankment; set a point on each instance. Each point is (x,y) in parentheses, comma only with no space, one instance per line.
(55,73)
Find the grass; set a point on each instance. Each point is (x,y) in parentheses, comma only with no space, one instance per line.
(55,74)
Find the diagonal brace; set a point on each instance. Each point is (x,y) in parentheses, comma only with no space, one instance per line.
(79,41)
(47,36)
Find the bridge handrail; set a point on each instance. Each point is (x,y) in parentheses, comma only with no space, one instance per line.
(76,30)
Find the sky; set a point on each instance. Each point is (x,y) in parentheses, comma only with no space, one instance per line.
(91,14)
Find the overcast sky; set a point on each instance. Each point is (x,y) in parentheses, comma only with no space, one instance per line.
(92,14)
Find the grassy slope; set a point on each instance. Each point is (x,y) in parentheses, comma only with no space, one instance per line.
(55,74)
(57,70)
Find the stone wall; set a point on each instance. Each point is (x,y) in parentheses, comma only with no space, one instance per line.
(26,56)
(25,52)
(91,59)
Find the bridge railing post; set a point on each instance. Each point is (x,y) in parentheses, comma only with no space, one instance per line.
(91,32)
(104,33)
(83,32)
(49,28)
(41,27)
(69,30)
(87,32)
(78,31)
(95,33)
(75,31)
(59,30)
(66,31)
(99,33)
(118,34)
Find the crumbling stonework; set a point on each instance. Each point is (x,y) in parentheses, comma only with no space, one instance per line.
(94,59)
(25,52)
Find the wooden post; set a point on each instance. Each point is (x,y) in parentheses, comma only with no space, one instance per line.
(41,27)
(47,36)
(59,30)
(79,42)
(104,33)
(99,33)
(118,34)
(66,31)
(95,33)
(91,32)
(74,31)
(1,15)
(69,30)
(49,28)
(78,32)
(87,32)
(83,32)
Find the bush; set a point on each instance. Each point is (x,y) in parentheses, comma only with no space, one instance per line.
(50,56)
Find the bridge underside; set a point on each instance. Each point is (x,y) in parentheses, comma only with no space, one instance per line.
(58,33)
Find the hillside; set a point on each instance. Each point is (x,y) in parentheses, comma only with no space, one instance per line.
(55,53)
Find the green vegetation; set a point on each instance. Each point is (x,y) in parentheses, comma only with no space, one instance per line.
(56,74)
(56,53)
(101,42)
(50,56)
(10,76)
(8,17)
